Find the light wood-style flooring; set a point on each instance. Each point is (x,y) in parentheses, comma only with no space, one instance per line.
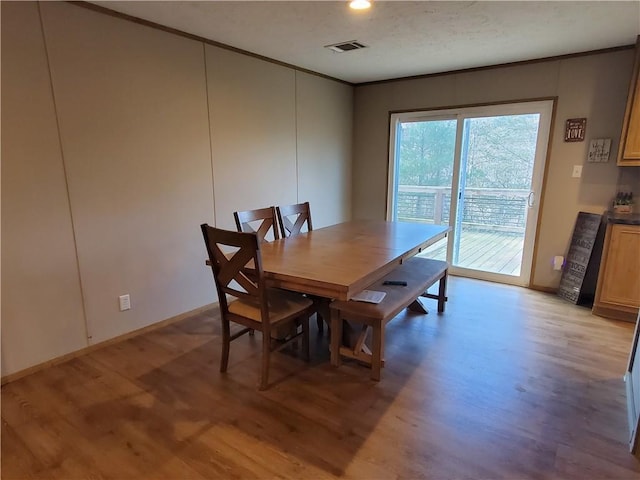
(508,383)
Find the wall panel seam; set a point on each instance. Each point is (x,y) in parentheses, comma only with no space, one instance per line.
(297,133)
(64,170)
(209,124)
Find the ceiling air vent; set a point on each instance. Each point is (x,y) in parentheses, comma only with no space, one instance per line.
(345,46)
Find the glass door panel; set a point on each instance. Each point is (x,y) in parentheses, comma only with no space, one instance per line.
(425,152)
(496,168)
(479,170)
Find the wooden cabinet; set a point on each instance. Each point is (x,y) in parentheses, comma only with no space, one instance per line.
(618,290)
(629,150)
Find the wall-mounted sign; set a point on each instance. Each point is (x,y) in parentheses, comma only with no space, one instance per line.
(599,150)
(574,130)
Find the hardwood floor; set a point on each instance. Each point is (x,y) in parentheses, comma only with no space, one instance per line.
(508,383)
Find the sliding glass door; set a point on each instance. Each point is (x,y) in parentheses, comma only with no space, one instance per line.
(480,171)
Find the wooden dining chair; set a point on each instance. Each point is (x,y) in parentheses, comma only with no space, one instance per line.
(267,222)
(293,217)
(252,304)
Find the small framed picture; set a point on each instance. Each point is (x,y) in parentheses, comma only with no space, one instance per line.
(599,150)
(575,129)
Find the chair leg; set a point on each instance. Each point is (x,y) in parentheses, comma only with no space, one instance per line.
(266,351)
(336,337)
(294,332)
(226,341)
(305,338)
(376,351)
(323,314)
(442,293)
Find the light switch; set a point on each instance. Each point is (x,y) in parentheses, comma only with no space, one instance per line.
(577,171)
(125,302)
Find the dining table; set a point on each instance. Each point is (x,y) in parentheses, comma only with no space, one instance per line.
(341,260)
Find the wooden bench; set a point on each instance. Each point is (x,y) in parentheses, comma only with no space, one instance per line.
(420,274)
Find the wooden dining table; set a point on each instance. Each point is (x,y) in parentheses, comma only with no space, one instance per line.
(338,261)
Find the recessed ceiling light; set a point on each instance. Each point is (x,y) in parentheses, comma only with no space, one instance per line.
(360,4)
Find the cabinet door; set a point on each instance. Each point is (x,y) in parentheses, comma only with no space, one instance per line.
(632,143)
(629,150)
(621,276)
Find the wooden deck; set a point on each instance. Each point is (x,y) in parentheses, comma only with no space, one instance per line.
(489,251)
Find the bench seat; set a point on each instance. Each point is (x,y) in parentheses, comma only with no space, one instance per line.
(420,274)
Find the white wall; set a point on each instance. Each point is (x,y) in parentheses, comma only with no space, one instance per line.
(323,116)
(42,313)
(132,108)
(253,120)
(593,86)
(116,146)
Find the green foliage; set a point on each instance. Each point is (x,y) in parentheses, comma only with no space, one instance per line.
(500,151)
(426,153)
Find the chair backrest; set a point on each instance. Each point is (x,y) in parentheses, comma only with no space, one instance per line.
(266,217)
(230,267)
(293,217)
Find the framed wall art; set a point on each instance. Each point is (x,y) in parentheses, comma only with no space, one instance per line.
(574,130)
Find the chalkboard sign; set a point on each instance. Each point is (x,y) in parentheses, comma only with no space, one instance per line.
(580,272)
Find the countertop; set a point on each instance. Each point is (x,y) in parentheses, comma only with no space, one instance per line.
(623,218)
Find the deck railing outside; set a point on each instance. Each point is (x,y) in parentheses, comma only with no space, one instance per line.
(483,209)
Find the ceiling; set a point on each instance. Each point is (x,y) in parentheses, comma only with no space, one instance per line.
(403,38)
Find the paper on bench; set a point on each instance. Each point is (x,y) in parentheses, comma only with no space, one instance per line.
(369,296)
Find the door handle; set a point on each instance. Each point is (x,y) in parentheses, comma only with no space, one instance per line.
(530,199)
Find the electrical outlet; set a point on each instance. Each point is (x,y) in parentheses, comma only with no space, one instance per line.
(558,262)
(125,302)
(577,171)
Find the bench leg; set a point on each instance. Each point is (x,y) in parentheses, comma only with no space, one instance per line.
(418,306)
(376,354)
(360,345)
(336,337)
(441,296)
(442,293)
